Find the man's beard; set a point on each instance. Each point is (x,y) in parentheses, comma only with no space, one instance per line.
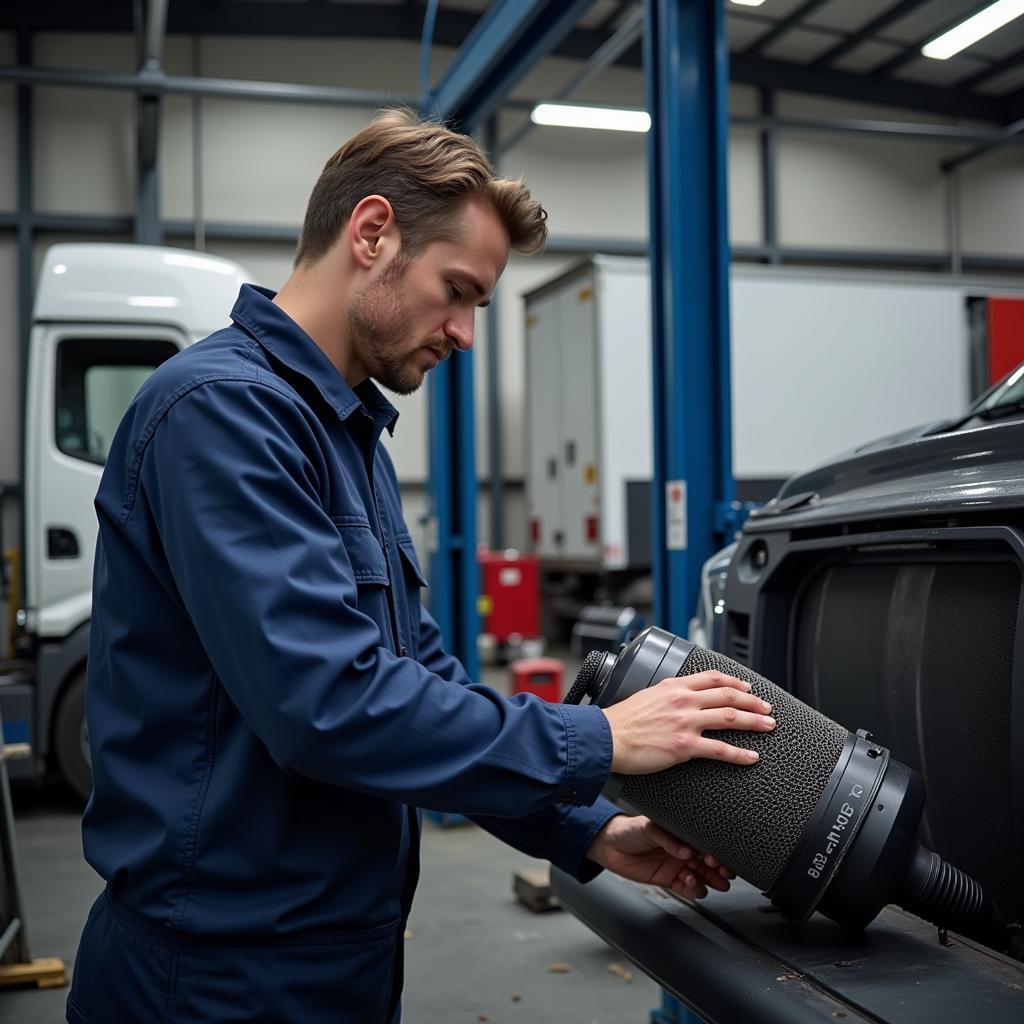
(380,332)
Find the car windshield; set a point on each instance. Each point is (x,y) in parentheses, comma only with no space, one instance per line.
(1007,395)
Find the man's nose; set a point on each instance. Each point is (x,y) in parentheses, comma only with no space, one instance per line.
(459,331)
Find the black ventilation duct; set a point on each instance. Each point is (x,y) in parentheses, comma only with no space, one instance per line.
(825,820)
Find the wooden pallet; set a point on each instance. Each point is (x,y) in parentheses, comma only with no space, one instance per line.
(533,890)
(48,972)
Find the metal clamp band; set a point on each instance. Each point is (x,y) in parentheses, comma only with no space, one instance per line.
(832,827)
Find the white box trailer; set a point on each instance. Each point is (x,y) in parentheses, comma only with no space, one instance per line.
(822,361)
(588,452)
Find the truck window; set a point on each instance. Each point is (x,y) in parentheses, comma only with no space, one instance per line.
(96,380)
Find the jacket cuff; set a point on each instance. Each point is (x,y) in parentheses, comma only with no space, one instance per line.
(580,828)
(588,753)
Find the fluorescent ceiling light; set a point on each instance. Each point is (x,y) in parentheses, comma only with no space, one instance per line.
(156,301)
(748,3)
(571,115)
(970,31)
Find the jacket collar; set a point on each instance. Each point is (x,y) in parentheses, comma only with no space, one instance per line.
(256,313)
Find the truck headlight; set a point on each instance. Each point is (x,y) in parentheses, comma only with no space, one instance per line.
(705,628)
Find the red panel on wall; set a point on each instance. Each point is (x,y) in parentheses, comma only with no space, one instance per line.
(1005,337)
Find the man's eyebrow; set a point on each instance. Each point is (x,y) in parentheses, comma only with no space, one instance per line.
(479,288)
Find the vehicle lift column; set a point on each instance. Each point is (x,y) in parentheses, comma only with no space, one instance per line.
(686,68)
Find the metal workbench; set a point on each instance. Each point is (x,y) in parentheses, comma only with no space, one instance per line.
(732,957)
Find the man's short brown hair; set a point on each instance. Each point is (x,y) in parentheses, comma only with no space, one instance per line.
(426,171)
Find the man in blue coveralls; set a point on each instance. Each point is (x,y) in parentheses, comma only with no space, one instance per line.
(268,700)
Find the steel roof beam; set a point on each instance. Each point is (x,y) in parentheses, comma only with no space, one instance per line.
(781,27)
(157,83)
(865,32)
(1013,133)
(782,76)
(505,44)
(1014,60)
(627,35)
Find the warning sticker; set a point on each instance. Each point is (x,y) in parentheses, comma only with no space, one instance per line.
(675,515)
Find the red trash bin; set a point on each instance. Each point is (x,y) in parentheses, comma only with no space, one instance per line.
(540,676)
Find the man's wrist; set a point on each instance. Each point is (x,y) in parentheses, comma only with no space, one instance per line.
(597,847)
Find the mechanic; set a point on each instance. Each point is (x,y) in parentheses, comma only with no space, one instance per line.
(268,700)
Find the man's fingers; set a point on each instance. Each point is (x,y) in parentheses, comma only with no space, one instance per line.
(711,878)
(730,718)
(669,843)
(690,887)
(718,750)
(730,697)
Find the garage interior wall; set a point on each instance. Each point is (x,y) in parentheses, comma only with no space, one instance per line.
(257,163)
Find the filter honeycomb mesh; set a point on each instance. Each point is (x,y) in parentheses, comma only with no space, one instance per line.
(750,817)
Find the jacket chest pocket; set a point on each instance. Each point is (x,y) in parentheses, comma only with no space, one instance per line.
(370,569)
(409,586)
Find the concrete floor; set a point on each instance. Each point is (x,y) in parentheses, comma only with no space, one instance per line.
(472,947)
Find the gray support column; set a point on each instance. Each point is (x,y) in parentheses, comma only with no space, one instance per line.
(148,228)
(956,263)
(769,193)
(198,216)
(25,263)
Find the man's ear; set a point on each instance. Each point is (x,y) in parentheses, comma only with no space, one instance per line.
(372,232)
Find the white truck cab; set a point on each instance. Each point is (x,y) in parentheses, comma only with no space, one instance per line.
(105,317)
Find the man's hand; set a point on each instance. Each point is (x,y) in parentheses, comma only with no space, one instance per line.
(663,725)
(641,851)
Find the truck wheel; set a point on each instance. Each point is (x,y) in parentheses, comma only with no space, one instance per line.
(71,738)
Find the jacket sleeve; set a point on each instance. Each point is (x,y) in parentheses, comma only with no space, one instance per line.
(561,832)
(232,477)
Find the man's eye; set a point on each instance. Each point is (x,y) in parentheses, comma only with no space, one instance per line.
(455,293)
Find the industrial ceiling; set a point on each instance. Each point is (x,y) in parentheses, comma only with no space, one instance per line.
(862,50)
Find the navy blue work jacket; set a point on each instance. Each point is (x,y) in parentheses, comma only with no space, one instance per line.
(268,701)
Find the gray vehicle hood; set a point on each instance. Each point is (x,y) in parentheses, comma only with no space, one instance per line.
(914,473)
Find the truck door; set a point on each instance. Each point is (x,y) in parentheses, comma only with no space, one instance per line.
(83,377)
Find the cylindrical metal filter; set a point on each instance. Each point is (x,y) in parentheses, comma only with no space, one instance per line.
(802,823)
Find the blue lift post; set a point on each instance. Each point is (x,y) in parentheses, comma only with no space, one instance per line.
(686,67)
(511,37)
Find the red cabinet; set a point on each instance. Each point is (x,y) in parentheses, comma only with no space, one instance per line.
(510,603)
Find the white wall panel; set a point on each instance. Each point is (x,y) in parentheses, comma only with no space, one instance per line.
(375,64)
(858,191)
(175,154)
(84,139)
(261,160)
(84,151)
(591,183)
(745,190)
(992,203)
(8,130)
